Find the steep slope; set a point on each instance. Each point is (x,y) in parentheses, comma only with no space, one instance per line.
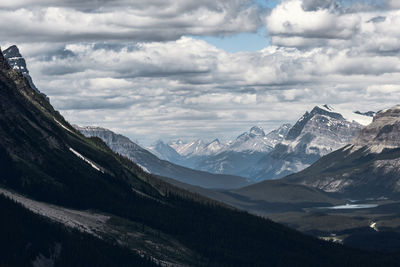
(149,162)
(368,167)
(46,159)
(314,135)
(46,243)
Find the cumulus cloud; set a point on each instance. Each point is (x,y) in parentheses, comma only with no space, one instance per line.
(168,85)
(189,84)
(290,24)
(119,20)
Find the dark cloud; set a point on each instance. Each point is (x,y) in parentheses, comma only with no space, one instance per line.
(377,19)
(313,5)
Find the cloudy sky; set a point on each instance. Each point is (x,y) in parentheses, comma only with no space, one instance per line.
(163,69)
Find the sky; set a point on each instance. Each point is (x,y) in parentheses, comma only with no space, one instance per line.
(169,69)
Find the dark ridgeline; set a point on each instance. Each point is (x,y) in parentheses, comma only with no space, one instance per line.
(36,161)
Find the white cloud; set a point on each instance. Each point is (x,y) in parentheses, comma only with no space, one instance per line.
(192,88)
(320,52)
(74,21)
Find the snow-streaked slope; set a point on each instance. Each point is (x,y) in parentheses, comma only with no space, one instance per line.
(349,115)
(315,134)
(254,140)
(189,148)
(257,141)
(367,167)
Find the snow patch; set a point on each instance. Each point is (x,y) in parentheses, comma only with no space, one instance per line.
(62,125)
(351,206)
(143,168)
(94,166)
(373,226)
(349,115)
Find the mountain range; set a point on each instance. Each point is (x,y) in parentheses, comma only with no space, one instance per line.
(317,133)
(69,200)
(368,167)
(350,195)
(152,164)
(260,156)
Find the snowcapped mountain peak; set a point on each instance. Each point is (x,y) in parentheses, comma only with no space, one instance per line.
(278,135)
(257,131)
(329,116)
(164,151)
(212,148)
(188,148)
(255,140)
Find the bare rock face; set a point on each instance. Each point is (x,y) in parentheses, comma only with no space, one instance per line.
(316,134)
(383,132)
(369,167)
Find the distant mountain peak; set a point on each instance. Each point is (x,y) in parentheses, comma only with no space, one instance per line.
(257,131)
(329,112)
(367,113)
